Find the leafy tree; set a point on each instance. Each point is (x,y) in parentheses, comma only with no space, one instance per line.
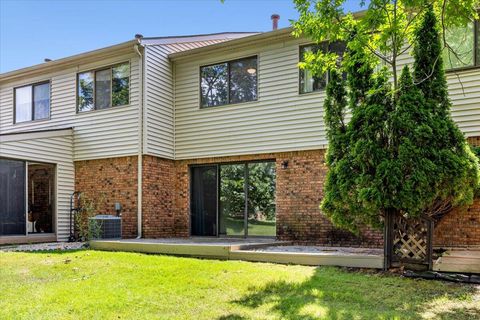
(401,152)
(385,28)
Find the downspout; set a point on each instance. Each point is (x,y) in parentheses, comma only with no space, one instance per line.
(140,143)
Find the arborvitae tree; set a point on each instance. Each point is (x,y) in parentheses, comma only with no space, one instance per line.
(335,106)
(456,171)
(358,66)
(411,132)
(428,67)
(404,154)
(342,202)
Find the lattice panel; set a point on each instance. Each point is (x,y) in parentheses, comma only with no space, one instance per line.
(410,239)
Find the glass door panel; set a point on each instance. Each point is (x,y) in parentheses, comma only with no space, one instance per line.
(12,197)
(41,198)
(232,200)
(261,199)
(204,201)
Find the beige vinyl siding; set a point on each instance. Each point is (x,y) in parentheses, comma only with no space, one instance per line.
(159,92)
(158,102)
(464,92)
(55,150)
(112,132)
(281,119)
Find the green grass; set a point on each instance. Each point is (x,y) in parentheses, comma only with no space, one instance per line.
(108,285)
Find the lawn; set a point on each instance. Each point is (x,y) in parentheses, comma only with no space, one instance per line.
(108,285)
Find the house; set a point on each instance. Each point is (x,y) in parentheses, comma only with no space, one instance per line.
(206,135)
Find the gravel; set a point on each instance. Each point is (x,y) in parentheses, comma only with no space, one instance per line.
(52,246)
(322,250)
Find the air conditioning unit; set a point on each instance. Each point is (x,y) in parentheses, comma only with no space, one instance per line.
(109,227)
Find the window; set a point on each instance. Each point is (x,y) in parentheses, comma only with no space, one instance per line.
(103,88)
(310,82)
(32,102)
(465,42)
(229,82)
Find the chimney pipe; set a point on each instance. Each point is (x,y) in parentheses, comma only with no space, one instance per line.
(275,18)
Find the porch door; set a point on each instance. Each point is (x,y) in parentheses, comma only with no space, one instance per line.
(204,196)
(12,197)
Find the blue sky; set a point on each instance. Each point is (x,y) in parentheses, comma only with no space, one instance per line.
(36,29)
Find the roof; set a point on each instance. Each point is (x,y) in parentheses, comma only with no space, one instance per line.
(195,37)
(120,48)
(69,61)
(279,33)
(274,34)
(233,39)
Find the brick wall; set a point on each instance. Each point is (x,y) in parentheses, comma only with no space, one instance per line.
(461,227)
(298,196)
(166,199)
(158,219)
(107,181)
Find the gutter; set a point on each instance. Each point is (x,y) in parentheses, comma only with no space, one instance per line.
(140,143)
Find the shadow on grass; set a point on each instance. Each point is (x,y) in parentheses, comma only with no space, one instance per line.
(332,293)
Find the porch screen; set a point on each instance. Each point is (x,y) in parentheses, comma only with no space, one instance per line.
(12,197)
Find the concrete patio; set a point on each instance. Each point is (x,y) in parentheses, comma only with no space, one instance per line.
(251,249)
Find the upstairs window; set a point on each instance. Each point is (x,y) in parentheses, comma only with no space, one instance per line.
(32,102)
(103,88)
(229,82)
(465,43)
(310,82)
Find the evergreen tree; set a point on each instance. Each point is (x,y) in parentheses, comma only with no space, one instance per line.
(455,172)
(358,66)
(401,152)
(428,67)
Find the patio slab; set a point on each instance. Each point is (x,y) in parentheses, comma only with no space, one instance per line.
(256,250)
(197,247)
(314,256)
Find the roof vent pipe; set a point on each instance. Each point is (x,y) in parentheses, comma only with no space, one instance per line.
(275,18)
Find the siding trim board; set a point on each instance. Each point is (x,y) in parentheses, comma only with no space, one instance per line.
(19,136)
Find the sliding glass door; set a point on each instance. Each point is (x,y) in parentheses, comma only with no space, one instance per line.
(27,198)
(204,201)
(261,199)
(41,198)
(12,197)
(238,197)
(232,200)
